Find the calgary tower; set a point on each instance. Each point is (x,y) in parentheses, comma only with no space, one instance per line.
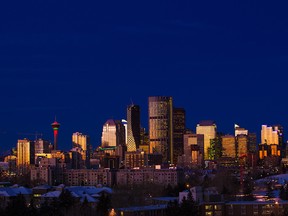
(55,126)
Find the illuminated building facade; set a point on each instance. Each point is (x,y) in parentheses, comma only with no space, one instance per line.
(161,126)
(42,146)
(242,145)
(136,159)
(179,126)
(80,140)
(133,128)
(228,146)
(269,135)
(25,152)
(208,129)
(239,130)
(113,133)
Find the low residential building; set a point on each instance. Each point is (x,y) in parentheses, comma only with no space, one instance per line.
(148,175)
(87,177)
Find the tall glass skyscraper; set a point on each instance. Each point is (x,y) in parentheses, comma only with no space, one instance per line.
(113,133)
(161,126)
(179,126)
(133,127)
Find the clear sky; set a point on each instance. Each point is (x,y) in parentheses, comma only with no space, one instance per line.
(84,62)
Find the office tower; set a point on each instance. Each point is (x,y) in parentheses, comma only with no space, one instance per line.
(82,141)
(269,135)
(208,129)
(239,130)
(242,145)
(144,141)
(161,126)
(193,149)
(136,159)
(252,143)
(133,128)
(179,125)
(280,132)
(25,152)
(229,146)
(113,133)
(55,126)
(42,146)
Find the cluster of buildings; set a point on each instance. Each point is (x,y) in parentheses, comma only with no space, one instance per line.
(128,153)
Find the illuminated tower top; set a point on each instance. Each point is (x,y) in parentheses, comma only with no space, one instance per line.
(55,126)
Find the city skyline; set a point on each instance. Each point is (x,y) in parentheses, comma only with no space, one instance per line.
(69,145)
(85,63)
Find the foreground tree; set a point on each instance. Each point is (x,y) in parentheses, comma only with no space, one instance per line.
(17,206)
(187,207)
(104,205)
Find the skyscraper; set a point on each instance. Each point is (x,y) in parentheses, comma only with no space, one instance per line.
(82,141)
(239,130)
(42,146)
(113,133)
(229,146)
(133,128)
(269,135)
(179,126)
(161,126)
(242,145)
(208,129)
(25,152)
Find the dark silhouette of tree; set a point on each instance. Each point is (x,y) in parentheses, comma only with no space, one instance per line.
(285,213)
(66,201)
(284,192)
(85,208)
(32,211)
(173,208)
(189,206)
(17,206)
(104,205)
(269,191)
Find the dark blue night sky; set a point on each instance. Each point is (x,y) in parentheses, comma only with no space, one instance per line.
(85,62)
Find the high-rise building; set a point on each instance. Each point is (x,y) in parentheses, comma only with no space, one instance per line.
(239,130)
(179,126)
(25,152)
(281,141)
(55,126)
(193,149)
(229,146)
(269,135)
(242,145)
(136,159)
(82,141)
(208,129)
(113,134)
(133,128)
(42,146)
(161,126)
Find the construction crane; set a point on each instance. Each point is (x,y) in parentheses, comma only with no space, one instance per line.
(36,134)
